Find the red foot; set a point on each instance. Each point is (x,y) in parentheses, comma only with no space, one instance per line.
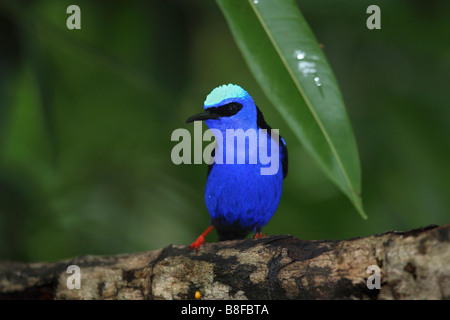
(259,235)
(201,239)
(197,243)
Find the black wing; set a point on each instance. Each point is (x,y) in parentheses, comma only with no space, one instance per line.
(261,123)
(210,166)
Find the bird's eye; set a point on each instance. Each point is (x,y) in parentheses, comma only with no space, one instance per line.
(227,110)
(232,108)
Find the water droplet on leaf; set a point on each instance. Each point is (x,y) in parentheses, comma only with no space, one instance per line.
(317,81)
(307,68)
(299,55)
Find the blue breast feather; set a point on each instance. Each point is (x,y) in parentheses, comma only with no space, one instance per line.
(239,196)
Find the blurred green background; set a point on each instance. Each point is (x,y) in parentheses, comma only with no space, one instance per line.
(86,118)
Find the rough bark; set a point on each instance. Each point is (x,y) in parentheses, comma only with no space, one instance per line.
(414,265)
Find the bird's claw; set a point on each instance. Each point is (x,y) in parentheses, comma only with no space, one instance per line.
(259,235)
(197,243)
(201,238)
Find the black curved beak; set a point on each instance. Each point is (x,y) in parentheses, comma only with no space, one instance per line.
(206,115)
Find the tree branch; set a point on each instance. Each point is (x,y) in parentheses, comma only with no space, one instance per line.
(413,265)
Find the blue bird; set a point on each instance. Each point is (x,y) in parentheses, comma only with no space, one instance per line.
(239,198)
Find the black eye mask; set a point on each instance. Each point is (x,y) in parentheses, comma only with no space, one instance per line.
(227,110)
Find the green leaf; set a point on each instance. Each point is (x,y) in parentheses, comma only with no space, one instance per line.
(287,61)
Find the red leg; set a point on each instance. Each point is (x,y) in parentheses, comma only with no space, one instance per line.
(201,239)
